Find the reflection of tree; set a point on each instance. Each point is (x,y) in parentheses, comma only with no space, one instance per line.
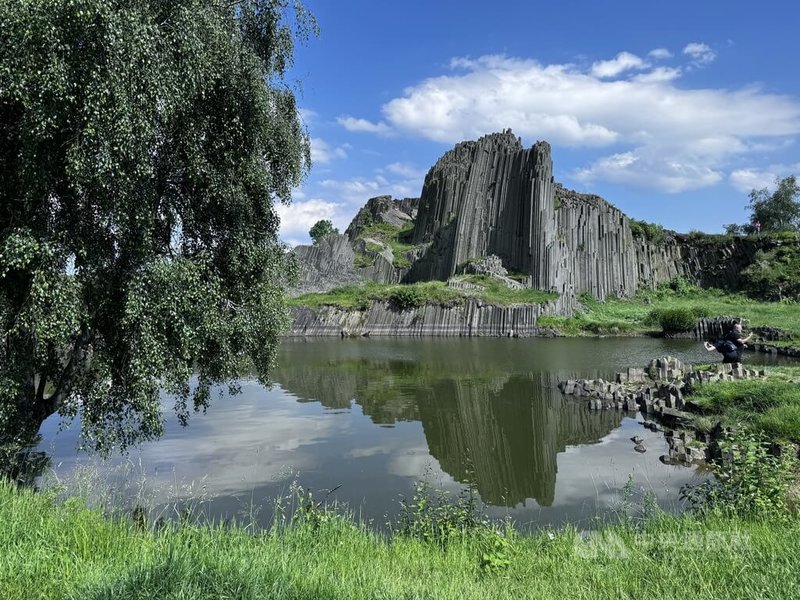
(487,418)
(22,466)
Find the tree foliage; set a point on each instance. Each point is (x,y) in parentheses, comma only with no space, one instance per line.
(773,274)
(142,148)
(321,229)
(777,211)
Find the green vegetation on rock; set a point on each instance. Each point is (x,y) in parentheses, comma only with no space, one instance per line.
(652,232)
(427,292)
(396,238)
(636,315)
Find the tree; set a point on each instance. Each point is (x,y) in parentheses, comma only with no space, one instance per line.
(779,211)
(142,148)
(321,229)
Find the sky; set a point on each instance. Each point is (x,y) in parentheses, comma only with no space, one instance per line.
(672,111)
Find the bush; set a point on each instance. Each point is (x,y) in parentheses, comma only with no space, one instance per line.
(405,297)
(652,232)
(673,320)
(750,480)
(773,274)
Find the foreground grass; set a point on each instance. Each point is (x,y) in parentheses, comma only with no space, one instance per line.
(52,550)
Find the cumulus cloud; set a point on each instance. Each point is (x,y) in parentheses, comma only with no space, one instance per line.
(658,75)
(363,125)
(749,179)
(624,61)
(298,217)
(675,134)
(405,170)
(659,54)
(357,191)
(701,54)
(322,152)
(642,168)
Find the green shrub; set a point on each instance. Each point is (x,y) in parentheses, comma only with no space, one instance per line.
(673,320)
(773,274)
(405,297)
(432,515)
(652,232)
(751,481)
(362,261)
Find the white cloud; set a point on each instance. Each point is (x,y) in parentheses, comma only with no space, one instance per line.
(624,61)
(323,153)
(658,75)
(299,217)
(307,115)
(679,137)
(642,169)
(746,180)
(659,54)
(363,125)
(700,53)
(405,170)
(357,191)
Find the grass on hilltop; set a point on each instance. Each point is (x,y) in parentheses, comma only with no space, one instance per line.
(403,296)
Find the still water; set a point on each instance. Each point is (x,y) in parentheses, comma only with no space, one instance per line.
(373,416)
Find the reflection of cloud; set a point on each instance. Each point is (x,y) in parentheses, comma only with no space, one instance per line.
(244,441)
(365,452)
(607,466)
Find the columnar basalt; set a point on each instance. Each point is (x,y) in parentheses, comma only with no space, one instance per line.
(494,198)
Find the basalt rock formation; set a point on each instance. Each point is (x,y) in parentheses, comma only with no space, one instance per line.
(493,197)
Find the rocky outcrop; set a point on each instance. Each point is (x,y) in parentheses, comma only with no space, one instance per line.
(493,203)
(326,265)
(471,318)
(658,387)
(383,209)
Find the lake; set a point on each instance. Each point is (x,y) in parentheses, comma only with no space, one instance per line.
(374,416)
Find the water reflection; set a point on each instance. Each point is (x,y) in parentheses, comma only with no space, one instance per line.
(375,415)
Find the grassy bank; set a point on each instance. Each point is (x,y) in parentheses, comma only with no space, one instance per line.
(639,314)
(614,316)
(53,550)
(358,297)
(771,406)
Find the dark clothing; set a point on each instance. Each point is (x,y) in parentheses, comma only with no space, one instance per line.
(736,355)
(728,349)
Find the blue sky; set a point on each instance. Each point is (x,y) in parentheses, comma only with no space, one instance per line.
(672,111)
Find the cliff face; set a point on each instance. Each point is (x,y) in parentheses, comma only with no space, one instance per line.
(473,318)
(488,197)
(495,197)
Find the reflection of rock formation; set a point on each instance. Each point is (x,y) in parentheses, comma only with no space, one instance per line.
(508,438)
(487,418)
